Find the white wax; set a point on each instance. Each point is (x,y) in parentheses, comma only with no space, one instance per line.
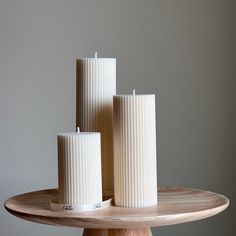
(79,168)
(96,85)
(135,173)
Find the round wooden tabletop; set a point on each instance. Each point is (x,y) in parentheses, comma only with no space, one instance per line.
(175,205)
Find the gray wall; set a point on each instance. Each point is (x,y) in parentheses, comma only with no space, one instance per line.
(182,50)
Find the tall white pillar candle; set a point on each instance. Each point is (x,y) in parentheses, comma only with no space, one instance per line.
(96,85)
(79,168)
(135,172)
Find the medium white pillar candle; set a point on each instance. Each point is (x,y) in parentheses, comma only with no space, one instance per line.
(79,168)
(135,171)
(96,85)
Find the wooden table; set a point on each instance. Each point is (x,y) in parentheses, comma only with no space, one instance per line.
(175,205)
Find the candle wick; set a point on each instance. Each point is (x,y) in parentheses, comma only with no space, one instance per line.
(78,130)
(133,91)
(96,55)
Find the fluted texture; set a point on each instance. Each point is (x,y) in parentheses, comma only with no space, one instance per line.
(96,85)
(135,151)
(79,168)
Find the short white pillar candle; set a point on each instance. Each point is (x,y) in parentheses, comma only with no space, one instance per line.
(95,87)
(135,172)
(79,168)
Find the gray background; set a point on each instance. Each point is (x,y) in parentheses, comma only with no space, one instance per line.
(182,50)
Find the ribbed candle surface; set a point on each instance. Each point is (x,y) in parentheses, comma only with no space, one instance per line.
(96,85)
(135,171)
(79,168)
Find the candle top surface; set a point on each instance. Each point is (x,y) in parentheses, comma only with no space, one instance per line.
(95,58)
(77,133)
(132,95)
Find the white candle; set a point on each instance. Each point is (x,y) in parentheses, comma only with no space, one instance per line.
(135,171)
(96,85)
(79,168)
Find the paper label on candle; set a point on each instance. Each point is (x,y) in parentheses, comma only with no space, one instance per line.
(56,206)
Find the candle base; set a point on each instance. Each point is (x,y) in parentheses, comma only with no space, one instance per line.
(118,232)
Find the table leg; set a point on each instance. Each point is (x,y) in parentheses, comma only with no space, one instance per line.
(118,232)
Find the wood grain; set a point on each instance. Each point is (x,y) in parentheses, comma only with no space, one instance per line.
(175,205)
(118,232)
